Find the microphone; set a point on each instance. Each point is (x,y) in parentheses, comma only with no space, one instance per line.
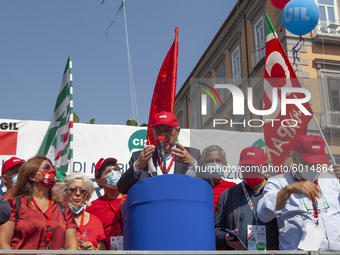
(160,142)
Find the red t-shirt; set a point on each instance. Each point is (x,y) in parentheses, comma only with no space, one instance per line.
(219,188)
(95,230)
(110,218)
(30,227)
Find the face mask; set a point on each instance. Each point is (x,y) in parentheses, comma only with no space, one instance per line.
(112,179)
(308,173)
(49,178)
(215,170)
(252,179)
(14,179)
(76,210)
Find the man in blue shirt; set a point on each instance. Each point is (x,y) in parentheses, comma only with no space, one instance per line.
(305,201)
(236,208)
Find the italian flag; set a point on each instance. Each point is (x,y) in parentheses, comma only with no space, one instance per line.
(58,142)
(279,73)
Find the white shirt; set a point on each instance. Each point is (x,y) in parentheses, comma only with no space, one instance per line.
(168,158)
(293,217)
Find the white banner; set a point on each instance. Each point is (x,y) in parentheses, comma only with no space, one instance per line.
(92,142)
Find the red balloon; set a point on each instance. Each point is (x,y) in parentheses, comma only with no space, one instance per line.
(279,4)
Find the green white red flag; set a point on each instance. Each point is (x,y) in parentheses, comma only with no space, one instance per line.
(58,142)
(279,73)
(163,98)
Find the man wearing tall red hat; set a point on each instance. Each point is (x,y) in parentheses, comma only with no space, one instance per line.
(108,208)
(305,201)
(178,159)
(9,171)
(236,208)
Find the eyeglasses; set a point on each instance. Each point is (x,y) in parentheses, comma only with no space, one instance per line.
(320,210)
(74,190)
(167,130)
(108,171)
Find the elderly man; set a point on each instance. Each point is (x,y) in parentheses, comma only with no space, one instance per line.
(146,163)
(215,161)
(9,171)
(236,208)
(305,201)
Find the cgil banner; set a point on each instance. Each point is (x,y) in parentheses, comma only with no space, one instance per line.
(92,142)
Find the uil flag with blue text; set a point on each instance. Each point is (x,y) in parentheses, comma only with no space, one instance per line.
(283,126)
(58,142)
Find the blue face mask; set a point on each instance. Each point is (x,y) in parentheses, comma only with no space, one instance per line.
(215,170)
(76,210)
(14,179)
(112,179)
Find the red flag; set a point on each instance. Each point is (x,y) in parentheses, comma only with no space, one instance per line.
(163,98)
(279,73)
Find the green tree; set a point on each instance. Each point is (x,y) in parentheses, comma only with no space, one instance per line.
(76,119)
(132,122)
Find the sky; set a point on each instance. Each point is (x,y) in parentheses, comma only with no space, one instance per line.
(37,36)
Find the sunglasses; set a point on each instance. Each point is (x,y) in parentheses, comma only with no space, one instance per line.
(74,190)
(47,166)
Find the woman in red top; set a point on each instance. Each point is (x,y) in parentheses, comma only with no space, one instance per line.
(40,223)
(76,190)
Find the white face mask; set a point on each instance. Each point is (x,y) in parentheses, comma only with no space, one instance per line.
(215,170)
(14,179)
(308,173)
(76,210)
(112,179)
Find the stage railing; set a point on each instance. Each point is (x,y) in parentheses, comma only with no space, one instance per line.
(167,252)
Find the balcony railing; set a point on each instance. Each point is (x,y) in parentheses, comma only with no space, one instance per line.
(258,54)
(330,119)
(236,80)
(327,31)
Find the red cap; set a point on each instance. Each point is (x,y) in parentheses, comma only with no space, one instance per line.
(253,156)
(165,118)
(10,163)
(102,162)
(312,149)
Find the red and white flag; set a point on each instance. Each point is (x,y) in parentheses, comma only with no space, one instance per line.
(281,131)
(165,89)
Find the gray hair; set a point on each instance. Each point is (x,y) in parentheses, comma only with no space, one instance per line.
(213,148)
(69,179)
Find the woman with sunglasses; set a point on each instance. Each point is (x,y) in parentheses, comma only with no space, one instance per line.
(76,190)
(38,221)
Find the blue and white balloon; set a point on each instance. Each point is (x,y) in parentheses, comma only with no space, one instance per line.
(300,16)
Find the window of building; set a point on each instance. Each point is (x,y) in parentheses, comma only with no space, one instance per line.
(236,66)
(259,51)
(180,119)
(209,102)
(194,112)
(328,16)
(334,93)
(221,79)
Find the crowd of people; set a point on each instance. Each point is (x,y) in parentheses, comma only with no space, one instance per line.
(296,210)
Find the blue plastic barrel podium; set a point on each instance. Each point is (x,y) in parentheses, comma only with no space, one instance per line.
(169,212)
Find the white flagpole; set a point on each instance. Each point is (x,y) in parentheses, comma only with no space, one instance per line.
(323,137)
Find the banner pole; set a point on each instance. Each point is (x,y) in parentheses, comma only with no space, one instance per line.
(323,137)
(70,169)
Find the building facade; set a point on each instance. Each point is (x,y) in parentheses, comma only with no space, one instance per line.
(236,56)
